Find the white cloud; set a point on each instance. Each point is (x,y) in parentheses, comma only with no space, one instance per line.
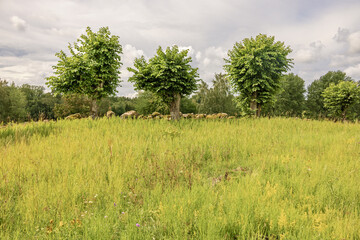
(354,42)
(353,71)
(198,56)
(342,35)
(341,60)
(309,54)
(18,23)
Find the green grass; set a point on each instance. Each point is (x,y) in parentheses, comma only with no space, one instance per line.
(194,179)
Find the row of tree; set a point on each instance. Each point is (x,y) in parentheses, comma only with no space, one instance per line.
(254,68)
(323,98)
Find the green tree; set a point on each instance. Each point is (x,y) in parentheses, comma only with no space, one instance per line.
(200,97)
(17,100)
(92,69)
(4,100)
(217,99)
(291,100)
(72,103)
(255,67)
(315,100)
(338,98)
(147,103)
(168,75)
(38,103)
(187,105)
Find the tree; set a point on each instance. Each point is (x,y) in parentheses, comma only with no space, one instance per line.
(187,105)
(4,100)
(200,97)
(92,69)
(168,74)
(338,98)
(17,106)
(147,103)
(255,67)
(72,103)
(217,99)
(291,100)
(315,100)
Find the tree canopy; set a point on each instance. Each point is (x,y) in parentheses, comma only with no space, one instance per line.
(255,67)
(315,99)
(338,98)
(92,69)
(168,74)
(217,99)
(291,100)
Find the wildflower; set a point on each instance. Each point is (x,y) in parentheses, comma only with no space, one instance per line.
(105,216)
(95,195)
(90,202)
(114,204)
(122,212)
(138,225)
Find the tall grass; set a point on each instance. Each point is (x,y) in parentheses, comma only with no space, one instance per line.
(154,179)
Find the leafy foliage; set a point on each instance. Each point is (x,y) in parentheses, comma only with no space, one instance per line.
(168,74)
(147,103)
(339,97)
(93,67)
(290,101)
(255,67)
(217,99)
(315,99)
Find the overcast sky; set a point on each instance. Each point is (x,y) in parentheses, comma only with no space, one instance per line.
(324,34)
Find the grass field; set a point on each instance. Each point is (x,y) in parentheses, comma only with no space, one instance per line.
(193,179)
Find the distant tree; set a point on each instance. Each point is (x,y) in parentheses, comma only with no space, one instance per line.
(72,103)
(91,70)
(118,105)
(187,105)
(168,75)
(17,100)
(4,100)
(290,101)
(338,98)
(217,99)
(200,97)
(38,102)
(255,67)
(147,103)
(315,100)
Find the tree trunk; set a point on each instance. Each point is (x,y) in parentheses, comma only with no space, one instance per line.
(343,115)
(94,109)
(254,106)
(175,107)
(258,110)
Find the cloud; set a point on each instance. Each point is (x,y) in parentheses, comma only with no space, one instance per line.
(342,35)
(309,54)
(18,23)
(354,42)
(353,71)
(340,61)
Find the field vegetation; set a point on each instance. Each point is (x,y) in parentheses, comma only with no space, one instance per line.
(192,179)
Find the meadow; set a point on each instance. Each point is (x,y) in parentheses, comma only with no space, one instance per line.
(193,179)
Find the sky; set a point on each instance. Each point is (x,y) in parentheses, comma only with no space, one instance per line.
(323,34)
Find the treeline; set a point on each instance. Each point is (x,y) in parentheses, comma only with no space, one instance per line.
(32,103)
